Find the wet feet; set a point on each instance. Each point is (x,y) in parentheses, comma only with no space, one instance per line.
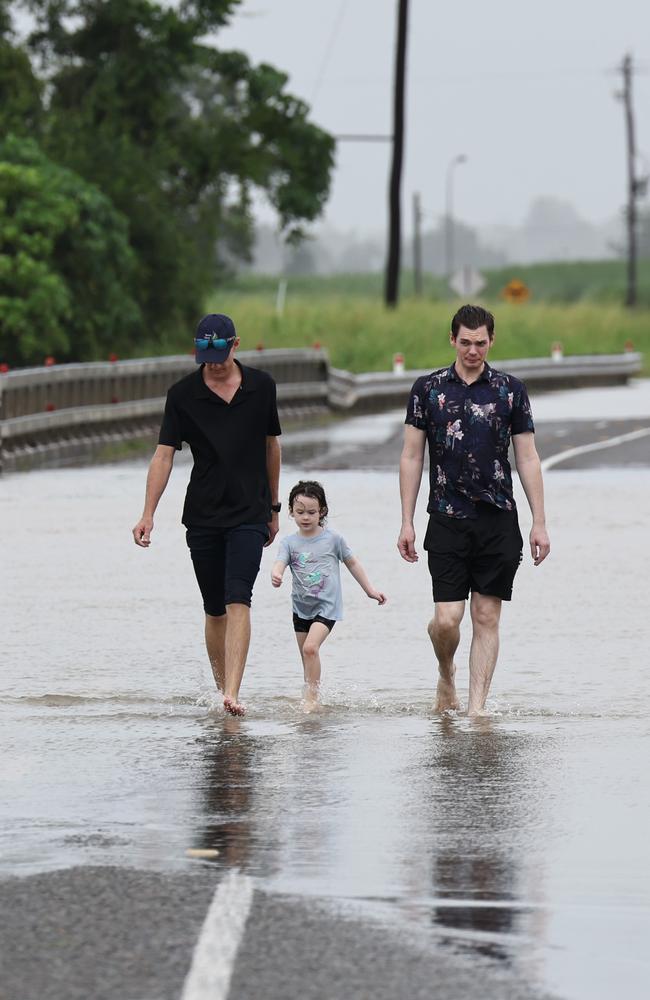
(446,697)
(233,707)
(310,697)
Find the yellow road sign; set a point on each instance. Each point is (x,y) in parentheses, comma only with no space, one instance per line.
(516,291)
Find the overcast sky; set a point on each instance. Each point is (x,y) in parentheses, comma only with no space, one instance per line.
(525,90)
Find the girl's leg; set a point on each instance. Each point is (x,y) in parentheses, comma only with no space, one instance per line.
(309,644)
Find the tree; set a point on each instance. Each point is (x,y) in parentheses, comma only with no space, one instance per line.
(177,134)
(20,90)
(66,268)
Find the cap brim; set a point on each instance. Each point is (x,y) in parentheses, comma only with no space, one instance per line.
(211,355)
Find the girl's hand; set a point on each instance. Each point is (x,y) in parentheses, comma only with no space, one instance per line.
(276,579)
(377,595)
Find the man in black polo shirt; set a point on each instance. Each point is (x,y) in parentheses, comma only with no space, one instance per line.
(227,413)
(469,413)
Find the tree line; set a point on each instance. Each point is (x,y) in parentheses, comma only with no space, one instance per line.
(130,149)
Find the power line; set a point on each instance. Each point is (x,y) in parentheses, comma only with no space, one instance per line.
(362,137)
(329,48)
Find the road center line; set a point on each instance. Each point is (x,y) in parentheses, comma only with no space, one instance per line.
(214,955)
(582,449)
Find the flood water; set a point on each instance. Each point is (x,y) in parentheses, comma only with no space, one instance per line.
(523,836)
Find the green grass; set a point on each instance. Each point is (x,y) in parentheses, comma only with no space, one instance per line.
(360,335)
(601,281)
(577,304)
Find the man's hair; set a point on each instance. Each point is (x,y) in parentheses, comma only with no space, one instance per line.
(310,488)
(472,317)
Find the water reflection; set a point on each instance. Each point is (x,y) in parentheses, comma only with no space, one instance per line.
(226,792)
(483,801)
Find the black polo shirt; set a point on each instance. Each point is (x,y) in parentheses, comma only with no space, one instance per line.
(229,482)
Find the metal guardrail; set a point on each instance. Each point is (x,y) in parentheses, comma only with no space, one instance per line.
(70,413)
(67,413)
(380,390)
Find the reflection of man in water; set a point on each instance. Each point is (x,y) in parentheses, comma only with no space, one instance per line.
(469,413)
(226,792)
(483,787)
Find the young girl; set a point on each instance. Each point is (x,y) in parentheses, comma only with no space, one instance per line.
(314,553)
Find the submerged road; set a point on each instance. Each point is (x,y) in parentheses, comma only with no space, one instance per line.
(371,851)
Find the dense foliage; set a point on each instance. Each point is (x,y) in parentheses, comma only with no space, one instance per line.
(67,272)
(172,133)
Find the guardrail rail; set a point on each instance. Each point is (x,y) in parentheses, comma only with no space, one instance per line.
(66,414)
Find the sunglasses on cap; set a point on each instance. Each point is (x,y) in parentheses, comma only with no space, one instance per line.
(202,343)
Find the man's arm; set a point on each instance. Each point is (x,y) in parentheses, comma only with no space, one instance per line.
(273,463)
(410,477)
(530,474)
(160,469)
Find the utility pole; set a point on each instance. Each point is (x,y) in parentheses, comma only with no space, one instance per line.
(391,289)
(637,184)
(630,214)
(417,245)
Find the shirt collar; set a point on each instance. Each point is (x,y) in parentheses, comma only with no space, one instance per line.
(248,382)
(453,376)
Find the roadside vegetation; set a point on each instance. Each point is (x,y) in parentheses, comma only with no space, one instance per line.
(130,150)
(345,315)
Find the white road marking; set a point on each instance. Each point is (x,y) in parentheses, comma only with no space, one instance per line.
(214,956)
(582,449)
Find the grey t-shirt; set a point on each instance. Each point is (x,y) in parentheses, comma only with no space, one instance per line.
(314,564)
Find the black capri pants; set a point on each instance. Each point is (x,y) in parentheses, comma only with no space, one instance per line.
(226,563)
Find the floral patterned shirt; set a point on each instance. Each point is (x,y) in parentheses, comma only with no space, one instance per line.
(468,428)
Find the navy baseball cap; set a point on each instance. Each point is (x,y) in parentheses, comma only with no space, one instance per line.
(214,338)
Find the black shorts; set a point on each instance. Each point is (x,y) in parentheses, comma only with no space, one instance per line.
(226,563)
(304,624)
(481,555)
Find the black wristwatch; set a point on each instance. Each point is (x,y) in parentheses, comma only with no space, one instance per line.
(276,507)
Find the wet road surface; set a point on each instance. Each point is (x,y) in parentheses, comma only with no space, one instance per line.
(385,852)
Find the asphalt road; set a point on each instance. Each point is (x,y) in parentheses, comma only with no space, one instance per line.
(552,439)
(122,934)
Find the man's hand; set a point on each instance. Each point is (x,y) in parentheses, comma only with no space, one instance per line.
(540,545)
(406,544)
(142,532)
(273,526)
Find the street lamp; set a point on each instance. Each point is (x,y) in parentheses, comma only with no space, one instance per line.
(449,219)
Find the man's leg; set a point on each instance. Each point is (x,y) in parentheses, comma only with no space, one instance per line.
(486,612)
(244,546)
(238,637)
(215,643)
(444,632)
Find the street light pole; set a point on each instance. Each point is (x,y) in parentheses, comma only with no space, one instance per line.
(449,214)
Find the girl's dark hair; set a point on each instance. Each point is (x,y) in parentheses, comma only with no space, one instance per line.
(310,488)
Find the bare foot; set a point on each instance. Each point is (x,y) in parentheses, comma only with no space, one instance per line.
(233,707)
(446,697)
(310,705)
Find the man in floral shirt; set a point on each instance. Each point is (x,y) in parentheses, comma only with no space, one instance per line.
(469,413)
